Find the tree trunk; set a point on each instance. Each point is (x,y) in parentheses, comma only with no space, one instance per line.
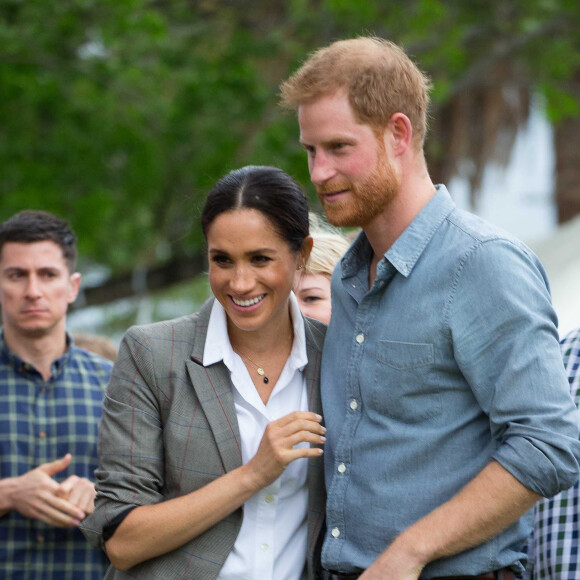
(567,146)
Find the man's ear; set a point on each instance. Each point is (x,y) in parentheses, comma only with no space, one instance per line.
(75,284)
(400,132)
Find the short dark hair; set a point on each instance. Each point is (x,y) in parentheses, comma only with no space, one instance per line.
(31,226)
(268,190)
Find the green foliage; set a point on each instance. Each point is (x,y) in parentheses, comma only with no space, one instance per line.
(121,114)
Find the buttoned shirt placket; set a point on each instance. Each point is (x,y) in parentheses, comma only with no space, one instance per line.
(368,302)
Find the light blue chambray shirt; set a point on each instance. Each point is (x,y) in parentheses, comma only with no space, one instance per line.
(450,360)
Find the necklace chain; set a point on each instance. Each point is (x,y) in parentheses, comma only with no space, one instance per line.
(259,368)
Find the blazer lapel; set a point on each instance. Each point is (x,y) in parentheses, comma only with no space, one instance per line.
(314,343)
(316,492)
(214,392)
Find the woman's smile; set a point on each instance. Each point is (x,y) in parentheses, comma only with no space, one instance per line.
(251,270)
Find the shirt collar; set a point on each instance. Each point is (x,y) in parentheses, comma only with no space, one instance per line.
(57,365)
(217,343)
(409,246)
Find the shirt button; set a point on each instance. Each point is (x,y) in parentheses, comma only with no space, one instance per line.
(264,547)
(42,434)
(40,539)
(269,499)
(360,338)
(404,268)
(353,405)
(341,468)
(335,532)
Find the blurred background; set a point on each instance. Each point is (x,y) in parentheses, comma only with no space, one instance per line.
(120,115)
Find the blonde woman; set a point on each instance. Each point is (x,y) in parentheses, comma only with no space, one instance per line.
(312,285)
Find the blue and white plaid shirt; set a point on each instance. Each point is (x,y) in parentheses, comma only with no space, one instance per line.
(41,421)
(554,544)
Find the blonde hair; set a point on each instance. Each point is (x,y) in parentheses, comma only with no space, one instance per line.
(377,76)
(329,245)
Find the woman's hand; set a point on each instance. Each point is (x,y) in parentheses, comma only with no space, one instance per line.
(152,530)
(278,445)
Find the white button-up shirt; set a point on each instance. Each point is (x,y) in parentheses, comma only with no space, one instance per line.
(272,540)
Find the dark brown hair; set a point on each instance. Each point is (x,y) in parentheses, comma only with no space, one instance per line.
(268,190)
(30,226)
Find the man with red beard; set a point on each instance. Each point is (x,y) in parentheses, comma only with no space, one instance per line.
(445,399)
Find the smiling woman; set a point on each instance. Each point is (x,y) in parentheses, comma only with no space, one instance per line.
(211,467)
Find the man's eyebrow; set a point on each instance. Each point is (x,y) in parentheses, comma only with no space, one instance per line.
(14,269)
(10,269)
(327,142)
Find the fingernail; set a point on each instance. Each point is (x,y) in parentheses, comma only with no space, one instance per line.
(324,429)
(320,451)
(323,439)
(319,417)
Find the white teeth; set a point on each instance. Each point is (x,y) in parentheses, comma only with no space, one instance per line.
(248,302)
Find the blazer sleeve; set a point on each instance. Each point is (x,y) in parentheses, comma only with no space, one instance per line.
(131,450)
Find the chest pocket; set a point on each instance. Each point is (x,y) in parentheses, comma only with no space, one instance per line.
(401,387)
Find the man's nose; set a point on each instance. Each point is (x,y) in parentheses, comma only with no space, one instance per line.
(33,289)
(321,168)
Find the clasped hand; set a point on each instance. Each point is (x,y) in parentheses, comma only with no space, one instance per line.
(64,505)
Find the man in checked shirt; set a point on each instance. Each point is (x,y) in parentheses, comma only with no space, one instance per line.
(554,543)
(50,405)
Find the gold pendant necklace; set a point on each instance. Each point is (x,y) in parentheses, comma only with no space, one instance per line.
(259,369)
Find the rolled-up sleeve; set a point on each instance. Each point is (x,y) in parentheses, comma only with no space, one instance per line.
(131,453)
(504,332)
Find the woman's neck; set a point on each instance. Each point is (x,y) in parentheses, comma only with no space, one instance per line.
(270,339)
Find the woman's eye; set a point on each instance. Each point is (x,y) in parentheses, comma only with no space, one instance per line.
(311,298)
(261,259)
(220,260)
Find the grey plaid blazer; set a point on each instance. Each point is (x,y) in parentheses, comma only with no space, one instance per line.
(169,427)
